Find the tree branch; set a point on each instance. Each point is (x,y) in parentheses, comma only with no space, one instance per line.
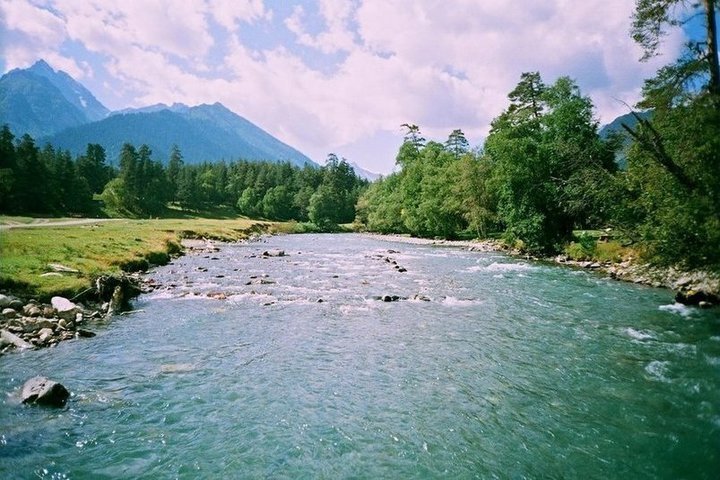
(653,144)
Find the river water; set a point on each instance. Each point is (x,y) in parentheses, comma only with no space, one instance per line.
(512,369)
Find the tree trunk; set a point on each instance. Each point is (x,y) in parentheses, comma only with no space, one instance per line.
(712,42)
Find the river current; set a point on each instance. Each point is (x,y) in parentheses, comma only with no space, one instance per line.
(486,366)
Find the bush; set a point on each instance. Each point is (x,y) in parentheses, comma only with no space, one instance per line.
(584,248)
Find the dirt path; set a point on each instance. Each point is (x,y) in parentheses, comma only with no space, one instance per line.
(47,222)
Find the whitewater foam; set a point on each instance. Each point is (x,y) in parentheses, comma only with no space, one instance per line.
(657,369)
(677,308)
(639,334)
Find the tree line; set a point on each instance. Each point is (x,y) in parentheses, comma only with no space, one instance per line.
(545,171)
(44,180)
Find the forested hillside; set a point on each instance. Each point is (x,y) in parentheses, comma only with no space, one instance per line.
(46,180)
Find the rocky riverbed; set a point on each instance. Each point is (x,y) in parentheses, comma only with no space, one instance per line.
(699,288)
(28,323)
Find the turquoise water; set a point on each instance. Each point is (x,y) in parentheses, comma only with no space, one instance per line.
(512,370)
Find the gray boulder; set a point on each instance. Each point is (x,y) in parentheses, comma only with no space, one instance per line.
(43,391)
(9,337)
(273,253)
(45,334)
(64,307)
(32,310)
(16,304)
(5,301)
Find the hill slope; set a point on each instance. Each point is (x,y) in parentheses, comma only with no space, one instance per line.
(41,101)
(203,133)
(616,128)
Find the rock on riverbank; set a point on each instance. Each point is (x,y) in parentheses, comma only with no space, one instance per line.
(36,324)
(31,324)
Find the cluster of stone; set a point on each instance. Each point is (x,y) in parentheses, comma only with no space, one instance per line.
(32,324)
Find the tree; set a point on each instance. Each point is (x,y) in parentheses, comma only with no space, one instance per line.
(380,207)
(175,164)
(32,178)
(542,147)
(672,189)
(322,210)
(93,167)
(652,17)
(249,203)
(457,144)
(277,204)
(8,166)
(413,143)
(470,188)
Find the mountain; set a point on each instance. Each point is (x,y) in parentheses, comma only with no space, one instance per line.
(616,128)
(73,91)
(203,133)
(40,101)
(55,109)
(366,174)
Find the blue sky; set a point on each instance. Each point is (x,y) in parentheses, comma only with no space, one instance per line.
(335,75)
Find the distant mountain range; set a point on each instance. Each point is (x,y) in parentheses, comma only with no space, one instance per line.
(54,108)
(366,174)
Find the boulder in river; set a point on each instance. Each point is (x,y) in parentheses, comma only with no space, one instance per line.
(692,297)
(44,335)
(273,253)
(43,391)
(391,298)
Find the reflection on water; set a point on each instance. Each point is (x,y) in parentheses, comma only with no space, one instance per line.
(290,367)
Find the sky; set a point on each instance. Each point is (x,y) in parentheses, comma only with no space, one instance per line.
(337,76)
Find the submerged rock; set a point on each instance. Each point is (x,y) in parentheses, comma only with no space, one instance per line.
(391,298)
(43,391)
(273,253)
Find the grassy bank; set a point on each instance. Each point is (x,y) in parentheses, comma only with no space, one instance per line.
(104,247)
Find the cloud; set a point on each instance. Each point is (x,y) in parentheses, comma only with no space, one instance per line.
(230,13)
(336,38)
(439,64)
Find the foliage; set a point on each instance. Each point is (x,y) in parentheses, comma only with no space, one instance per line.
(543,172)
(671,201)
(50,182)
(547,163)
(42,181)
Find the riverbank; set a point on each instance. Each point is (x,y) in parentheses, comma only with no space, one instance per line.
(80,265)
(700,288)
(63,260)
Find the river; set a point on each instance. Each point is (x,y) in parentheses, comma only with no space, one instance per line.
(493,367)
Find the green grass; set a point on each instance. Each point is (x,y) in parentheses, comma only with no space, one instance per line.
(106,247)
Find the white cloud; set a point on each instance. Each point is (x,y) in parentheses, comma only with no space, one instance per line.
(229,13)
(337,37)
